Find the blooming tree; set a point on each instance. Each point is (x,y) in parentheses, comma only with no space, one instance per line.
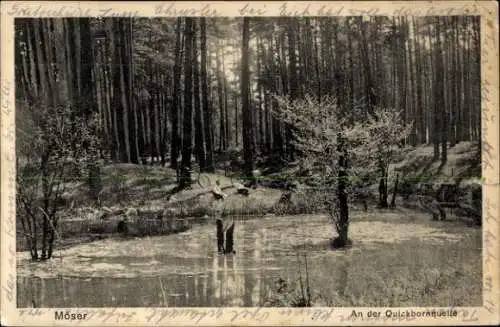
(345,153)
(375,142)
(319,138)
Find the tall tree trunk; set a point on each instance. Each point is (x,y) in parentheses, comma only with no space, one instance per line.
(412,86)
(198,117)
(132,109)
(121,87)
(41,61)
(32,58)
(227,129)
(285,90)
(369,86)
(467,81)
(446,96)
(248,146)
(476,86)
(86,62)
(176,101)
(107,81)
(419,105)
(319,90)
(260,56)
(222,124)
(164,120)
(351,66)
(339,70)
(437,96)
(440,108)
(49,55)
(293,79)
(371,103)
(185,177)
(403,78)
(277,143)
(458,81)
(207,114)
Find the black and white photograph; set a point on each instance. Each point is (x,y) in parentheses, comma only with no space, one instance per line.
(251,161)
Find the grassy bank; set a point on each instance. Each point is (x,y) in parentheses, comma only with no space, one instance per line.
(410,273)
(441,264)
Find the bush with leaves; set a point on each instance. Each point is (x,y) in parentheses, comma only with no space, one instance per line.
(55,146)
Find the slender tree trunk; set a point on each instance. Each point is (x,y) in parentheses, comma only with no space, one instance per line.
(207,114)
(227,129)
(293,79)
(403,78)
(412,86)
(438,79)
(319,90)
(467,81)
(458,81)
(198,118)
(476,86)
(276,124)
(49,57)
(369,86)
(185,177)
(222,124)
(176,105)
(236,112)
(260,137)
(41,61)
(164,120)
(121,88)
(248,146)
(440,108)
(419,121)
(86,62)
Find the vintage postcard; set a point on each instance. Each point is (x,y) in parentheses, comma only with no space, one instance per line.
(249,163)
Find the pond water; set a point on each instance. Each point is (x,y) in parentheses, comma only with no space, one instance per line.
(185,270)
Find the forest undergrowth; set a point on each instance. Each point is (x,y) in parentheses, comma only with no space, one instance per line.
(147,190)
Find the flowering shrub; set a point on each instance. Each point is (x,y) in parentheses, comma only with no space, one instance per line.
(342,152)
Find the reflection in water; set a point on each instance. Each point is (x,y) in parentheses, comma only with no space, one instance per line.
(223,278)
(215,280)
(195,284)
(343,275)
(185,269)
(259,238)
(206,293)
(239,280)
